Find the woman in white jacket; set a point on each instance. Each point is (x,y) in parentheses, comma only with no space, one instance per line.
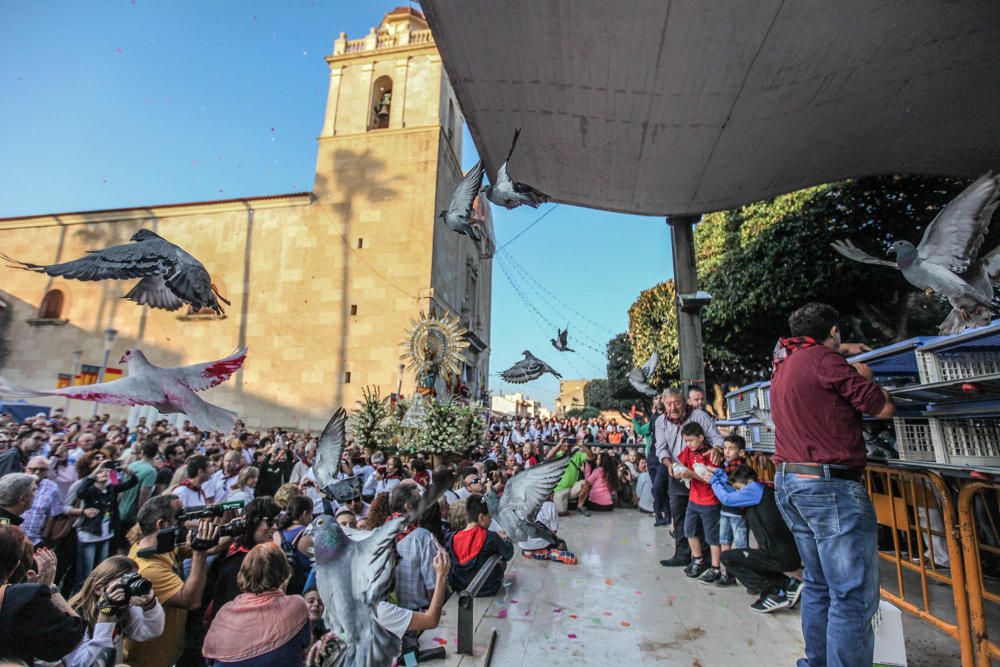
(110,619)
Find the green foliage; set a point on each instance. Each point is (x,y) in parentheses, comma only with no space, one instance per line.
(652,325)
(583,413)
(597,394)
(619,364)
(448,427)
(368,427)
(762,261)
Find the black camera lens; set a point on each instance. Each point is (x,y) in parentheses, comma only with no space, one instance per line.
(233,528)
(136,585)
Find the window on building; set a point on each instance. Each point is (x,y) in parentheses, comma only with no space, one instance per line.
(361,243)
(52,305)
(450,127)
(354,309)
(381,103)
(347,377)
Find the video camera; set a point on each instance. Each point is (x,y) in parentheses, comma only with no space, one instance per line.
(167,538)
(208,511)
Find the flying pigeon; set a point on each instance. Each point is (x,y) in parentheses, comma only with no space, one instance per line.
(170,276)
(639,377)
(528,369)
(169,390)
(945,261)
(327,467)
(561,341)
(354,574)
(457,216)
(509,193)
(523,496)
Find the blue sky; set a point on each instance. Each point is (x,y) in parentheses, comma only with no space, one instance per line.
(111,104)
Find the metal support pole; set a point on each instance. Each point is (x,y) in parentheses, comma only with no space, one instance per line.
(692,355)
(77,354)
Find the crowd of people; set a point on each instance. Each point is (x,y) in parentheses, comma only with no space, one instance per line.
(158,545)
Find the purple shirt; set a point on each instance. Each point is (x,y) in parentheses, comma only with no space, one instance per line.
(48,502)
(817,402)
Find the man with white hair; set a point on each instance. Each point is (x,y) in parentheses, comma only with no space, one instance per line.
(48,502)
(17,492)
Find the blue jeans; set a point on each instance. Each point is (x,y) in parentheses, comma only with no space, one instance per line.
(733,531)
(833,523)
(88,556)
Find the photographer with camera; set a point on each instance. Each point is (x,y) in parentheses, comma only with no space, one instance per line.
(99,492)
(255,526)
(116,602)
(158,554)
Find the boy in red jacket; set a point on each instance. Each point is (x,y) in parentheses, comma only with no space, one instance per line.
(703,506)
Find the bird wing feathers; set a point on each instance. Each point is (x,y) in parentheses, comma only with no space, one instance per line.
(526,491)
(126,391)
(954,237)
(649,367)
(523,371)
(330,448)
(152,291)
(851,251)
(466,191)
(119,262)
(199,377)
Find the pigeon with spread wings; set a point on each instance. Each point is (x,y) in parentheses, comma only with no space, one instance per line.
(639,377)
(353,576)
(523,496)
(528,369)
(458,216)
(169,390)
(561,341)
(947,260)
(170,276)
(509,193)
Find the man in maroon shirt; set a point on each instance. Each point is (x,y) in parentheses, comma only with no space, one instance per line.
(817,403)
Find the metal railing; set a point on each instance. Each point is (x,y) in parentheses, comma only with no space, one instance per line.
(936,541)
(974,549)
(466,605)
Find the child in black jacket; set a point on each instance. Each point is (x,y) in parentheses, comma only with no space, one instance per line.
(471,548)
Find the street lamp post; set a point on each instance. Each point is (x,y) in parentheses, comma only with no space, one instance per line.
(72,378)
(109,341)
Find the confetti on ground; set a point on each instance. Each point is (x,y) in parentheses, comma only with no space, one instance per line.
(626,624)
(606,613)
(638,592)
(595,621)
(557,611)
(574,616)
(609,582)
(502,613)
(671,600)
(527,613)
(498,603)
(513,601)
(546,636)
(440,641)
(571,636)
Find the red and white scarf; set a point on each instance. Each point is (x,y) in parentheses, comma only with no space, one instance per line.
(786,347)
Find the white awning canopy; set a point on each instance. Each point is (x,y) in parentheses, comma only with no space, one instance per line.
(673,107)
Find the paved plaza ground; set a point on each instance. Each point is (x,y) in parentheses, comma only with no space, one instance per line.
(618,606)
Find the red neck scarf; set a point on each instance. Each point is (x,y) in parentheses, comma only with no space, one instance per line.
(406,531)
(786,347)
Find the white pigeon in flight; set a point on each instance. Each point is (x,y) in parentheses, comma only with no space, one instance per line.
(510,193)
(169,390)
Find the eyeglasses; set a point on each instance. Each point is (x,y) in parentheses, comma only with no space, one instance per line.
(477,480)
(40,469)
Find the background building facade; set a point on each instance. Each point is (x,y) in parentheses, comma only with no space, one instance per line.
(323,284)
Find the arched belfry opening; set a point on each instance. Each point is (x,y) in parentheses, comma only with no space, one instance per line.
(381,103)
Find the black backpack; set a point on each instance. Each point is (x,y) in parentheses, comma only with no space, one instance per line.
(297,563)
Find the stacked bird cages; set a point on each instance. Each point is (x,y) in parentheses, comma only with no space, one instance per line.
(742,401)
(915,438)
(947,366)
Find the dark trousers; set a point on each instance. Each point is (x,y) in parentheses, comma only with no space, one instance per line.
(678,509)
(661,481)
(759,571)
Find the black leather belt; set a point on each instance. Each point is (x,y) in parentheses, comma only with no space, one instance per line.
(822,470)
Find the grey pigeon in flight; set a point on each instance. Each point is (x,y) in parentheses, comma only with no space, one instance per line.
(523,496)
(509,193)
(169,390)
(528,369)
(354,575)
(561,341)
(170,276)
(945,262)
(639,377)
(457,216)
